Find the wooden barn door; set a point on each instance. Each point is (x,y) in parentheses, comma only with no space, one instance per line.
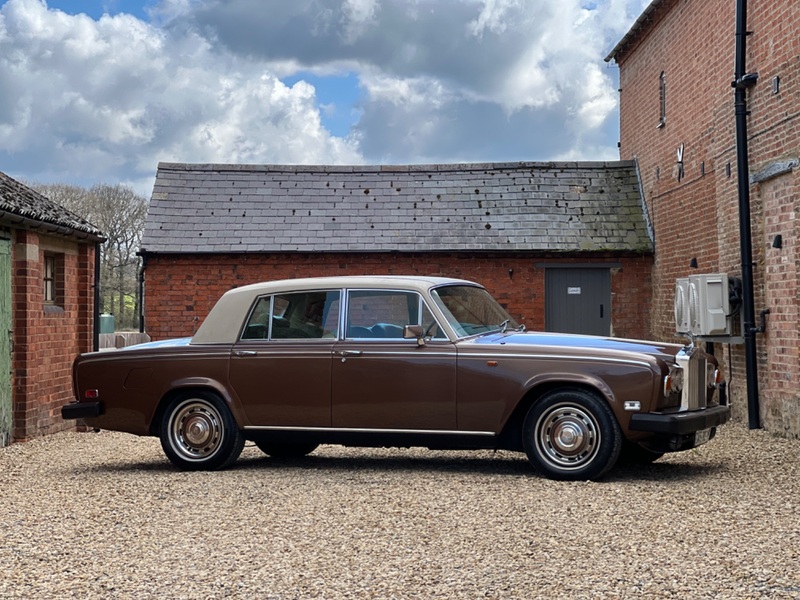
(5,340)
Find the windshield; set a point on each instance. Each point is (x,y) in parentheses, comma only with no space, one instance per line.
(471,310)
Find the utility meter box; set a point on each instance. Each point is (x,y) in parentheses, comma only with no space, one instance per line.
(709,305)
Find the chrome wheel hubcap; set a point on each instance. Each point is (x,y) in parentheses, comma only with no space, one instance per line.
(568,436)
(196,431)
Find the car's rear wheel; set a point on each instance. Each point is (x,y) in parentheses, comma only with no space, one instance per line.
(571,434)
(286,450)
(198,432)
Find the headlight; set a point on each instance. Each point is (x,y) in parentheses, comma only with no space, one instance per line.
(673,383)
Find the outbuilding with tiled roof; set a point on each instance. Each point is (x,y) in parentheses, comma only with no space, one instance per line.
(47,307)
(531,232)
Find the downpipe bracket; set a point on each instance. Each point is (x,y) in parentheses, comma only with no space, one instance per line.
(746,81)
(762,327)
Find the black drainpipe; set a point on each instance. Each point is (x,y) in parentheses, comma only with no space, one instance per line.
(141,291)
(742,81)
(97,300)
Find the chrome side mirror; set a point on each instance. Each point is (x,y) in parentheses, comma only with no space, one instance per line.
(411,332)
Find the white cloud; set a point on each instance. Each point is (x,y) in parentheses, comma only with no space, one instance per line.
(357,16)
(109,98)
(492,17)
(441,80)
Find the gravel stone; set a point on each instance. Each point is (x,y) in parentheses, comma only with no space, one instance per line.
(100,515)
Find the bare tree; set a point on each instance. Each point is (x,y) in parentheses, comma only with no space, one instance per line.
(119,213)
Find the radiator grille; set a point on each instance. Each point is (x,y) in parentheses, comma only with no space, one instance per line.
(694,382)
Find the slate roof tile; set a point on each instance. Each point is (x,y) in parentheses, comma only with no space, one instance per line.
(21,205)
(540,207)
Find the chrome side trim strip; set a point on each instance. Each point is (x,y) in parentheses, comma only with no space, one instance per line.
(499,356)
(365,430)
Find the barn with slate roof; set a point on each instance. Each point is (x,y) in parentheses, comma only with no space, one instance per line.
(564,246)
(47,267)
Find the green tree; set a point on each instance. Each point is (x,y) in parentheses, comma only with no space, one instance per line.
(119,213)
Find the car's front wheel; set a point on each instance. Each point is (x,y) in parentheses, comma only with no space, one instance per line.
(198,432)
(571,434)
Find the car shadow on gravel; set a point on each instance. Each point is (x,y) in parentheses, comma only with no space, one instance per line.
(503,464)
(500,464)
(508,464)
(665,471)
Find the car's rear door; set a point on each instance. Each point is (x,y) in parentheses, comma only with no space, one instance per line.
(281,366)
(382,381)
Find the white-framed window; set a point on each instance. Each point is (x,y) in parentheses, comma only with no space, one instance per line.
(49,277)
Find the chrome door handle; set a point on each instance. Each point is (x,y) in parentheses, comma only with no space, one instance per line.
(246,353)
(345,353)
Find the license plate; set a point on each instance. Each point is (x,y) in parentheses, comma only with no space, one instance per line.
(701,437)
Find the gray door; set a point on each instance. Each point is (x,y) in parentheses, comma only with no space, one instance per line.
(578,301)
(5,340)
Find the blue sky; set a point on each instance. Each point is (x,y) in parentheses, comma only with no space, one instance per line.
(101,91)
(96,9)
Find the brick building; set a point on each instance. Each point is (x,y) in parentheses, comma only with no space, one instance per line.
(549,240)
(677,120)
(47,266)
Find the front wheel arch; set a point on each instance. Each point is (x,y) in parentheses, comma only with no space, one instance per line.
(511,433)
(571,434)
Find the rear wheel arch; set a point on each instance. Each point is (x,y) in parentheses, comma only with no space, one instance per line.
(169,396)
(198,431)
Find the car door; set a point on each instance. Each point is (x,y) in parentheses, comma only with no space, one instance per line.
(281,366)
(382,381)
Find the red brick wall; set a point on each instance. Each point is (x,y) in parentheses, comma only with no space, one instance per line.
(692,41)
(47,339)
(180,290)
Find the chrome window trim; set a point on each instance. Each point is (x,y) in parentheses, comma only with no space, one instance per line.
(271,297)
(422,303)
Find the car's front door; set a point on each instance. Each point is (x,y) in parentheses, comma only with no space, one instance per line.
(281,366)
(382,381)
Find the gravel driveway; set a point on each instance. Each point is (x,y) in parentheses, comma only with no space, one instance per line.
(105,515)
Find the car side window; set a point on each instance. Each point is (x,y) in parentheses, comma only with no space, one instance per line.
(382,314)
(298,315)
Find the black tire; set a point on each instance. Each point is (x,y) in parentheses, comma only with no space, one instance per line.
(634,454)
(571,434)
(286,450)
(198,433)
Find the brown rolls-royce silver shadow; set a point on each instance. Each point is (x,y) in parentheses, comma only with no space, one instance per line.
(398,361)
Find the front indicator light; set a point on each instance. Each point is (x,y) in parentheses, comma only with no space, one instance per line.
(714,378)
